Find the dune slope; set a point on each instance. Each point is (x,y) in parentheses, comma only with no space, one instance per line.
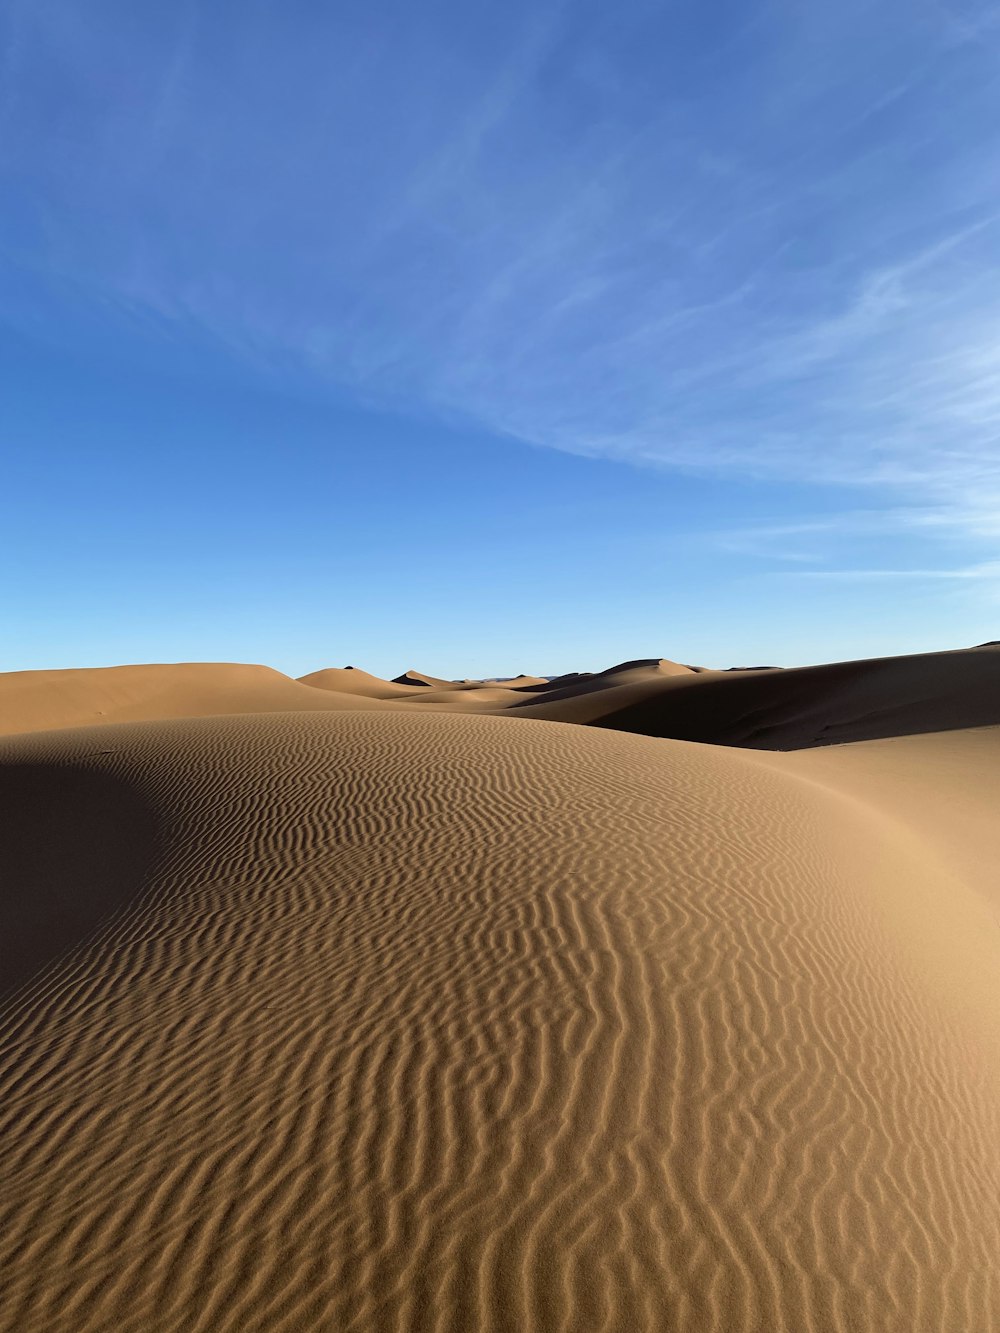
(796,709)
(942,787)
(405,1021)
(351,680)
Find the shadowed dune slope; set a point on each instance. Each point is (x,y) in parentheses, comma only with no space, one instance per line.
(590,699)
(42,700)
(807,706)
(418,678)
(447,1022)
(75,842)
(585,682)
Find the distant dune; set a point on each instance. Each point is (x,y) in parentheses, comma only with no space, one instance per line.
(418,678)
(351,681)
(327,1008)
(823,705)
(39,700)
(753,708)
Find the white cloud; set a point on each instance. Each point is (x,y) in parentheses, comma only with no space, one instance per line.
(779,258)
(989,572)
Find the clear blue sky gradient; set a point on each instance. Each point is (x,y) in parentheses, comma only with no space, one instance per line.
(486,338)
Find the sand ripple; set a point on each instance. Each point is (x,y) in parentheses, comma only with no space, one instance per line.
(404,1021)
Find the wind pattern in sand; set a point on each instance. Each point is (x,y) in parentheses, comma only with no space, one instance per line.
(430,1022)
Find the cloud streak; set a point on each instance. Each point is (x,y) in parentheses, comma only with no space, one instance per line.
(775,256)
(989,571)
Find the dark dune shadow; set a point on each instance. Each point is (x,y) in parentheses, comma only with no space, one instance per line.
(75,846)
(823,705)
(591,680)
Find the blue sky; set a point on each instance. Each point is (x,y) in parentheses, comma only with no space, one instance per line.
(486,338)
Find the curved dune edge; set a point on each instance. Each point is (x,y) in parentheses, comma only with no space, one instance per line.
(427,1022)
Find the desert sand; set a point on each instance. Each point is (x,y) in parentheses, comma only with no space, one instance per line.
(650,999)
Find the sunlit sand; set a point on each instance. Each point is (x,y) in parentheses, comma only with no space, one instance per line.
(345,1003)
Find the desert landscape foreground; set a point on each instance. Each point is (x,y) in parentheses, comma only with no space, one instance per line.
(652,999)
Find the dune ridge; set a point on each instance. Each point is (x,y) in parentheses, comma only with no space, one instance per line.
(414,1020)
(763,708)
(43,700)
(801,707)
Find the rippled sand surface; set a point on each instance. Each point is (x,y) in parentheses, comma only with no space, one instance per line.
(393,1018)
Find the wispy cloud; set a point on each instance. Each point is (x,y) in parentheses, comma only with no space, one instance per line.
(775,256)
(989,571)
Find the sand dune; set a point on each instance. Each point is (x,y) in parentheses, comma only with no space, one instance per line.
(389,1020)
(418,678)
(328,1004)
(520,682)
(350,680)
(755,708)
(41,700)
(585,682)
(785,710)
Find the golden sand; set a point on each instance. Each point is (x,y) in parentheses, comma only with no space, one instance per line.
(325,1008)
